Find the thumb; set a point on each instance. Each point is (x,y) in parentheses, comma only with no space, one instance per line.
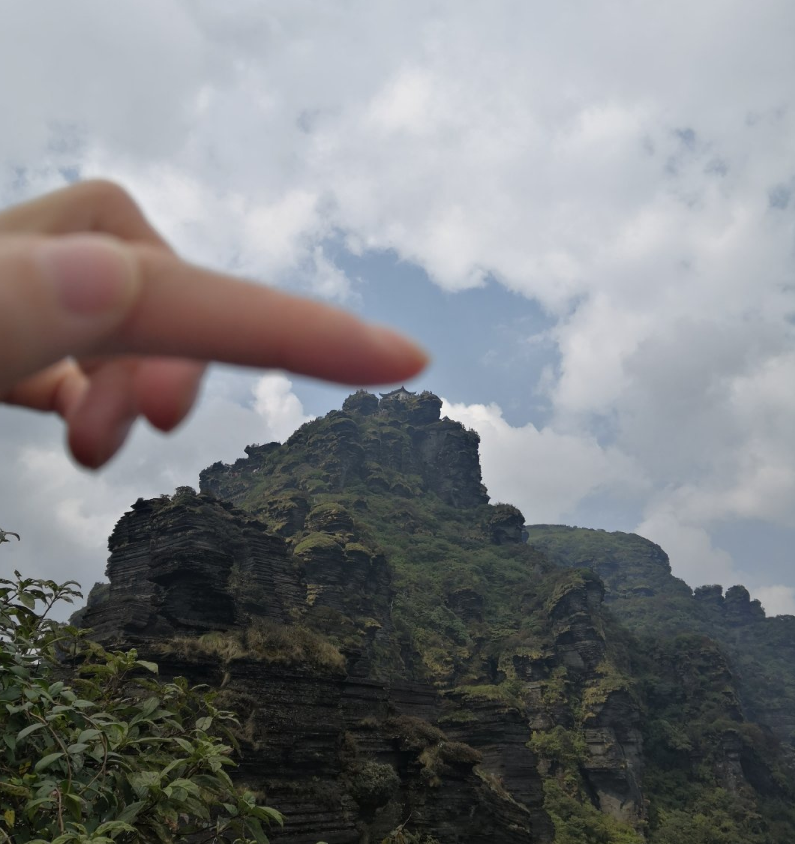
(59,297)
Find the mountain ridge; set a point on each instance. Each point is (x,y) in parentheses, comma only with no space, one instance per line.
(395,649)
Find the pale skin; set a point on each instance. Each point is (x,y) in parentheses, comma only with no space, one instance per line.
(101,323)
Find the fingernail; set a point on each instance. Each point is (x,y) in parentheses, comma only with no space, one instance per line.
(91,275)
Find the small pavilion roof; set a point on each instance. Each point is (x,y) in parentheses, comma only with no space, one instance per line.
(401,393)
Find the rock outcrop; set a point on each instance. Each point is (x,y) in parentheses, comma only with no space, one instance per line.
(317,734)
(398,654)
(189,564)
(641,590)
(381,444)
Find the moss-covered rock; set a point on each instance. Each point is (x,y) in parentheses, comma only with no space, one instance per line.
(397,587)
(506,524)
(361,403)
(318,544)
(330,517)
(373,784)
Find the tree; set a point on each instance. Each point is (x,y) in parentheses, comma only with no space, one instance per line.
(105,751)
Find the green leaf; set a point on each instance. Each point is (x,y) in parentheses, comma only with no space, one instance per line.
(14,790)
(267,814)
(185,745)
(38,802)
(114,826)
(149,666)
(44,763)
(209,782)
(178,795)
(204,724)
(30,729)
(189,786)
(11,693)
(222,775)
(256,828)
(73,804)
(142,781)
(170,767)
(79,747)
(131,811)
(148,707)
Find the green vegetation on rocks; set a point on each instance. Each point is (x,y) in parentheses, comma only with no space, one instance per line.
(416,659)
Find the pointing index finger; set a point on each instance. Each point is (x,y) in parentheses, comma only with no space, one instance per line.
(186,311)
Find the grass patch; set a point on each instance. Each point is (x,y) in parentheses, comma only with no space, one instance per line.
(265,641)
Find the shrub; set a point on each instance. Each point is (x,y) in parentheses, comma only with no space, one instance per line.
(373,784)
(103,753)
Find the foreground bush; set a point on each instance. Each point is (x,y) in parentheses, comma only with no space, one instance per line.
(105,752)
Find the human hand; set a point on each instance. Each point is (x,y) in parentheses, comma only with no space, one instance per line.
(101,322)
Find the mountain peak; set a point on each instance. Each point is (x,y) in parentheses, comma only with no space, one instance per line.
(398,443)
(394,649)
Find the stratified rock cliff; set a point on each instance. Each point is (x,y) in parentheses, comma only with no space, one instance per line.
(191,564)
(397,653)
(643,593)
(718,680)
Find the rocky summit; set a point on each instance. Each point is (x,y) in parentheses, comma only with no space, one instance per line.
(409,662)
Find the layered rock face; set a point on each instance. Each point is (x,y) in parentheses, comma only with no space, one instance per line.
(190,564)
(630,566)
(397,654)
(610,722)
(316,736)
(641,590)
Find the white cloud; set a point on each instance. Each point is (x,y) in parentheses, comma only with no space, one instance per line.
(549,475)
(113,75)
(777,600)
(544,473)
(278,405)
(630,167)
(693,556)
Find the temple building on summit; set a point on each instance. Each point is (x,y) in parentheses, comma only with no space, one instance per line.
(401,394)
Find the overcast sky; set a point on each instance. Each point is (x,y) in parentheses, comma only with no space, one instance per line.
(585,210)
